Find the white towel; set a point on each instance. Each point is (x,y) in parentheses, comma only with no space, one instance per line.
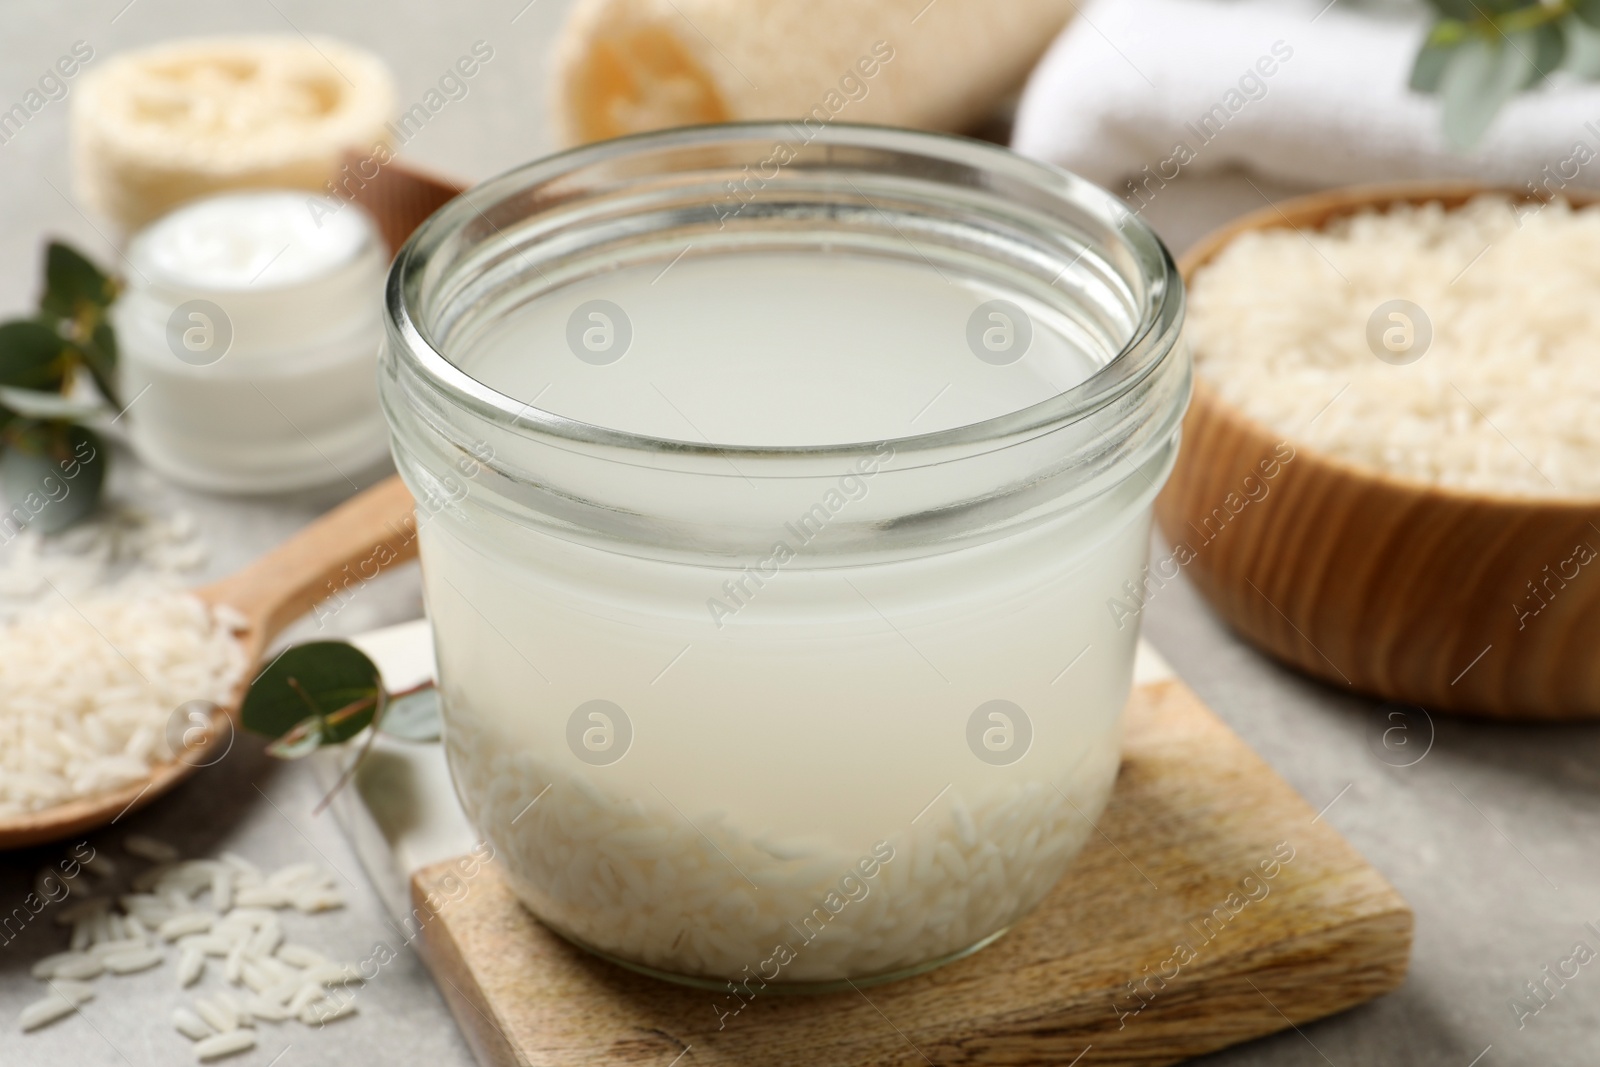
(1183,86)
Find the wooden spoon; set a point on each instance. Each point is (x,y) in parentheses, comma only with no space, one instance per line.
(367,533)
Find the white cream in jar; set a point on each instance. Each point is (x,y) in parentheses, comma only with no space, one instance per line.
(249,335)
(770,610)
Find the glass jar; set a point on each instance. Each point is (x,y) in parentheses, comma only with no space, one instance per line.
(764,658)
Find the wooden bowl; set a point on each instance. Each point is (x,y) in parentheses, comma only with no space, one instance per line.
(1392,587)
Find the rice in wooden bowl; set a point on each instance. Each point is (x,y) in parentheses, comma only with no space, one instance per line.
(1390,476)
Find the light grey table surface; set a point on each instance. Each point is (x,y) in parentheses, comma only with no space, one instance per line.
(1494,836)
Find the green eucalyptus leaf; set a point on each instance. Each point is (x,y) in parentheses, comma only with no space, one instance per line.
(1549,52)
(1429,65)
(1447,32)
(1460,10)
(1588,11)
(53,472)
(304,739)
(99,352)
(413,716)
(330,679)
(33,356)
(73,285)
(1481,75)
(1583,47)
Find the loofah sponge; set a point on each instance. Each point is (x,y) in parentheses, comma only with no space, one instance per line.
(623,66)
(160,126)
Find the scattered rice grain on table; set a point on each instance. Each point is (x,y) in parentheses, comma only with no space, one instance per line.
(168,917)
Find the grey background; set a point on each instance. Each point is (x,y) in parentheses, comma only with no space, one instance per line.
(1492,836)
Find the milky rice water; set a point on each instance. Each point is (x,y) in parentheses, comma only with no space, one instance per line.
(772,636)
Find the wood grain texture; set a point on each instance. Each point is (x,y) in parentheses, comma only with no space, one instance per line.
(397,195)
(1194,814)
(1395,588)
(366,534)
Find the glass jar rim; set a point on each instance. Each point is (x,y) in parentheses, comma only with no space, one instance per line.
(1148,345)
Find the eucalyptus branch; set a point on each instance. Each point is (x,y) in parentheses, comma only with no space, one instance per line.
(321,674)
(52,467)
(1478,55)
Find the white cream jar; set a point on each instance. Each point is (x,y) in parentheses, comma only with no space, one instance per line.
(249,334)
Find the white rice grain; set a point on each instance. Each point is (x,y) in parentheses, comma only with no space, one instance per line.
(45,1011)
(328,974)
(82,967)
(222,889)
(133,960)
(98,864)
(190,1025)
(280,993)
(237,1007)
(112,947)
(216,1014)
(305,996)
(232,964)
(206,944)
(191,965)
(249,872)
(300,955)
(45,968)
(263,1008)
(279,970)
(255,977)
(264,896)
(149,848)
(317,900)
(82,910)
(194,922)
(326,1010)
(266,939)
(227,1044)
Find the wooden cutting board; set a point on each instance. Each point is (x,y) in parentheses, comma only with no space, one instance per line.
(1168,939)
